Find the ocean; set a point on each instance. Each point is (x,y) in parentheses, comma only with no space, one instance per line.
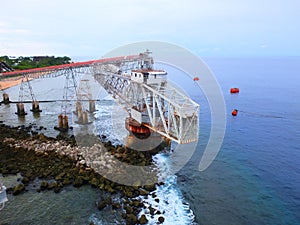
(255,178)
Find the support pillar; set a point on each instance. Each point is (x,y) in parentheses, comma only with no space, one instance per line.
(85,117)
(92,107)
(60,121)
(35,107)
(78,107)
(6,98)
(65,122)
(82,117)
(79,116)
(20,109)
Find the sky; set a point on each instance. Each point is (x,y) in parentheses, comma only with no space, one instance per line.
(88,29)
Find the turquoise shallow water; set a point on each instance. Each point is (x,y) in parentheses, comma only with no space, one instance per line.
(71,206)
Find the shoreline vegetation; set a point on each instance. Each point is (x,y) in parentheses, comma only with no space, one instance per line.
(23,63)
(50,164)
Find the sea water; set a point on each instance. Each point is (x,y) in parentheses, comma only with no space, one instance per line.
(255,178)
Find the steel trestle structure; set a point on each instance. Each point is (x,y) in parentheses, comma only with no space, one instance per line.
(144,92)
(151,101)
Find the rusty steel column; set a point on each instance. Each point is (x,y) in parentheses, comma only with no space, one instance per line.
(21,109)
(6,98)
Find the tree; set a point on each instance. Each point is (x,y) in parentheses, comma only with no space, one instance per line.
(22,63)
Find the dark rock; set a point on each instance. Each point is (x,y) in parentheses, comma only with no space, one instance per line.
(25,180)
(18,189)
(143,219)
(67,181)
(131,219)
(52,185)
(94,182)
(59,170)
(157,200)
(158,212)
(128,193)
(128,209)
(78,182)
(150,187)
(44,185)
(161,183)
(136,203)
(109,188)
(120,150)
(101,186)
(60,176)
(161,219)
(57,189)
(101,204)
(143,192)
(104,201)
(152,210)
(116,205)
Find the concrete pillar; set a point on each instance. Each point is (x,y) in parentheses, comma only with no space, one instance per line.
(85,117)
(35,107)
(65,122)
(5,98)
(79,115)
(92,107)
(78,107)
(20,109)
(60,120)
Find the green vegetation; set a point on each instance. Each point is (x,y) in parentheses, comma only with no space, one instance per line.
(22,63)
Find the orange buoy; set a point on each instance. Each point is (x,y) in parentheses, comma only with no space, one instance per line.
(196,78)
(234,112)
(234,90)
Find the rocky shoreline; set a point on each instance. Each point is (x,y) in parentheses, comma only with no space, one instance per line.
(59,162)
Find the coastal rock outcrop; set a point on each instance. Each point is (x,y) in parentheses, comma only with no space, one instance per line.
(58,162)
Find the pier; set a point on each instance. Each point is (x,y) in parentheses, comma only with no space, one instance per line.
(134,83)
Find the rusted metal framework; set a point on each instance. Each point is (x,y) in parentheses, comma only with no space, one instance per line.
(152,102)
(144,93)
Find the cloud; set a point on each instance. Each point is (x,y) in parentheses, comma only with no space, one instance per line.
(6,28)
(263,45)
(93,27)
(3,28)
(24,48)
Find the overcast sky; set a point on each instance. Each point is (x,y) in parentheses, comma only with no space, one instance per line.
(88,29)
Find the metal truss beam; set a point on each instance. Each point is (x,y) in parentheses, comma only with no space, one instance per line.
(159,106)
(162,108)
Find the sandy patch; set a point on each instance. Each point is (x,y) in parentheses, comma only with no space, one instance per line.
(7,83)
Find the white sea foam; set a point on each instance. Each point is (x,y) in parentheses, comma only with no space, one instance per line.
(167,198)
(97,221)
(110,121)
